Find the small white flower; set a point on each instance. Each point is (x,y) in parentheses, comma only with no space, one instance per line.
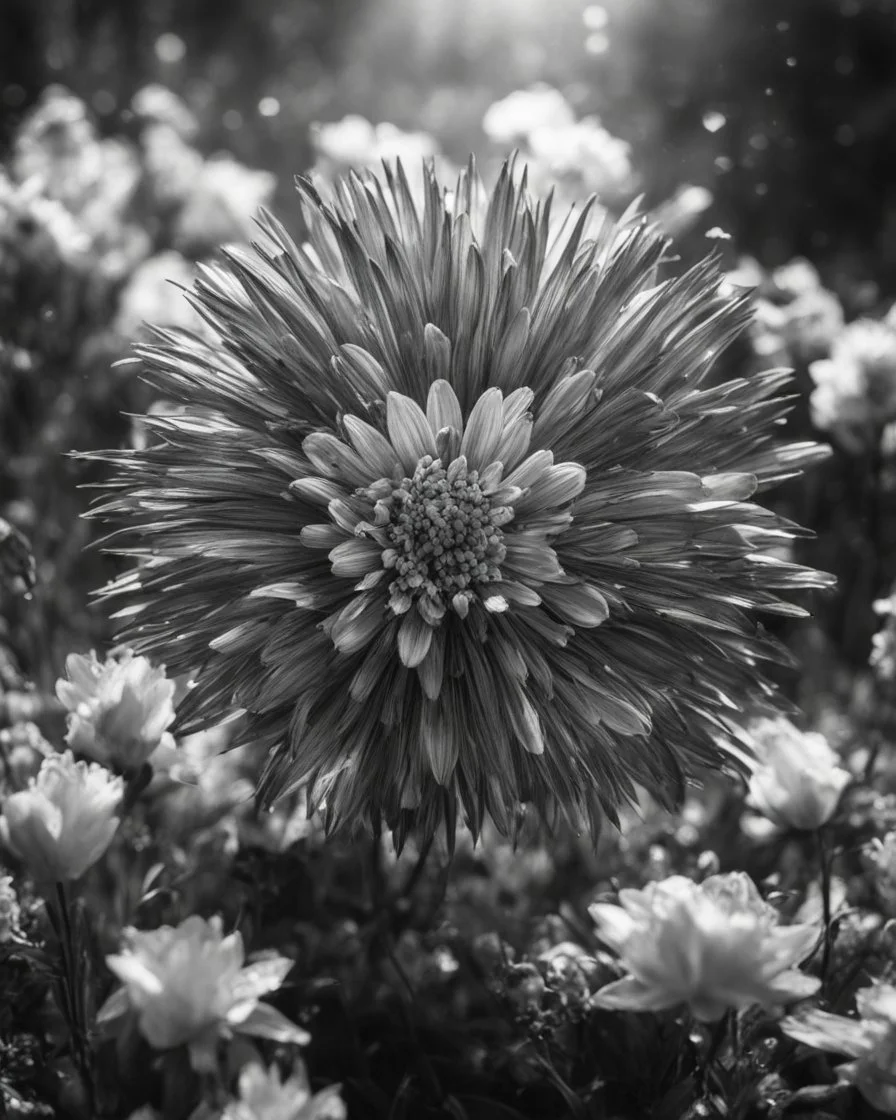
(797,783)
(65,820)
(712,946)
(118,709)
(188,985)
(855,389)
(265,1096)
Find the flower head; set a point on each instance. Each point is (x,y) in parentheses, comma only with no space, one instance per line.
(265,1096)
(855,389)
(65,820)
(9,909)
(797,783)
(453,513)
(870,1040)
(118,709)
(188,985)
(712,946)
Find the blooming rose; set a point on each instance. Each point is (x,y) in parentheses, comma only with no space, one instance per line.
(712,946)
(65,820)
(188,985)
(797,783)
(119,709)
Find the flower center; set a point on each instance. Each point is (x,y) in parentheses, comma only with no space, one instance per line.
(443,535)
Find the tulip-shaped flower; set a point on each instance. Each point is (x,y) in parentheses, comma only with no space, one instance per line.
(64,821)
(797,783)
(712,946)
(189,986)
(118,709)
(870,1040)
(265,1096)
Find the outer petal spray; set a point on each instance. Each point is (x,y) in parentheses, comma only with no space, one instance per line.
(455,513)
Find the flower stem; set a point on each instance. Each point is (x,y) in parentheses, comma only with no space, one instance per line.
(717,1038)
(825,868)
(73,1002)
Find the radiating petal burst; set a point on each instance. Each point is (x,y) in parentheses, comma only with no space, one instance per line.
(453,512)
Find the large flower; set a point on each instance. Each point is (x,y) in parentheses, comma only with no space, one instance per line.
(189,985)
(454,513)
(714,947)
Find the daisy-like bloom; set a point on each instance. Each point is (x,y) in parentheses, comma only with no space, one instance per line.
(797,783)
(64,821)
(119,709)
(855,389)
(453,514)
(264,1095)
(713,946)
(188,985)
(870,1040)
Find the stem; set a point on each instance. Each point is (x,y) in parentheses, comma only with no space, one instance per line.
(716,1042)
(825,868)
(73,1008)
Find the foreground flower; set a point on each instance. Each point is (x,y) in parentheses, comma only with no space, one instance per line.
(265,1096)
(118,709)
(454,514)
(713,946)
(188,985)
(855,393)
(870,1040)
(797,783)
(64,821)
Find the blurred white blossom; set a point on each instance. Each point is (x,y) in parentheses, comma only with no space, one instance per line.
(870,1040)
(65,820)
(9,909)
(797,782)
(221,205)
(119,709)
(263,1095)
(188,985)
(155,295)
(855,389)
(512,120)
(712,946)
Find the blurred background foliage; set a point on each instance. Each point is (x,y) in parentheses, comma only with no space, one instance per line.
(785,109)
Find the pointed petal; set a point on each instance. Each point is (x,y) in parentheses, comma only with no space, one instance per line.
(373,447)
(483,429)
(409,430)
(414,639)
(443,408)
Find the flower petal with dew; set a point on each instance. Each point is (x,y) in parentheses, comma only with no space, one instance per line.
(454,512)
(64,821)
(712,946)
(188,985)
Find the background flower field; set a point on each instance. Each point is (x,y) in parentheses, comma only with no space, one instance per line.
(172,947)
